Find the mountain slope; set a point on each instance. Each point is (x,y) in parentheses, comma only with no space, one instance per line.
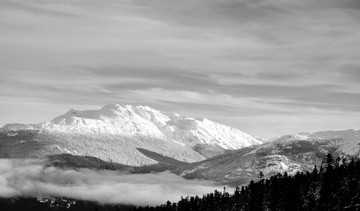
(37,143)
(290,153)
(116,133)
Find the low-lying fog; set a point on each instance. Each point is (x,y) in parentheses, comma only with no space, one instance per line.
(35,178)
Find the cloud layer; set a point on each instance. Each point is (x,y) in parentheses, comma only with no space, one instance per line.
(34,178)
(267,67)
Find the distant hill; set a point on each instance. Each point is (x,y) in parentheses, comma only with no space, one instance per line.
(289,153)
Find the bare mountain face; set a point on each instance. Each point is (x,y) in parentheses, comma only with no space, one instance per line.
(289,153)
(115,133)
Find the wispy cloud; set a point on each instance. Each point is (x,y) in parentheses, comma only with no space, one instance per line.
(246,58)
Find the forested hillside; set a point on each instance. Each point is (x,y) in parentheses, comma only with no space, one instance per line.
(335,185)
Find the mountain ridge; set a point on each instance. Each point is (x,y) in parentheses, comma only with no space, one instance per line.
(116,132)
(129,120)
(289,153)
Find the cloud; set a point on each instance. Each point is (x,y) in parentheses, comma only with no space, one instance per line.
(34,178)
(83,54)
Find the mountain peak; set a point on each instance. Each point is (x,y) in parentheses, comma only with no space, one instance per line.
(130,120)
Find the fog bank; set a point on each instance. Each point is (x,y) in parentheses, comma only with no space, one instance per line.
(34,178)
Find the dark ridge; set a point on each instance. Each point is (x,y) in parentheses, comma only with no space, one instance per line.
(75,161)
(160,158)
(208,151)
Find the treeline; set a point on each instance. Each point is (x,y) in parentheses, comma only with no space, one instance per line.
(333,186)
(56,204)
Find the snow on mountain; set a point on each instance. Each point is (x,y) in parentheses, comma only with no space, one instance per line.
(118,133)
(145,121)
(347,142)
(289,153)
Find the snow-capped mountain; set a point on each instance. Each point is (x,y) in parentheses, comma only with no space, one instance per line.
(142,120)
(115,133)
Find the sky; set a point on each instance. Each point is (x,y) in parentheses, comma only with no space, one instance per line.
(266,67)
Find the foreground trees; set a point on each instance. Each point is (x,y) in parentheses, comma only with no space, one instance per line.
(333,186)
